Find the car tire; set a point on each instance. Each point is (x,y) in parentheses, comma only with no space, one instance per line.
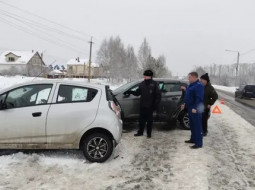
(97,147)
(185,121)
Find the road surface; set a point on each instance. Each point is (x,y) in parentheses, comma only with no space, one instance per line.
(244,111)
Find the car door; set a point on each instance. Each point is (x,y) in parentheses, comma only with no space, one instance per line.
(24,115)
(130,104)
(74,109)
(170,99)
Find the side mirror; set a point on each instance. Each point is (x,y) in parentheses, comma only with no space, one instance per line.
(237,89)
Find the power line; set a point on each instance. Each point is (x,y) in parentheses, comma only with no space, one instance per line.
(42,28)
(34,24)
(30,13)
(247,52)
(45,38)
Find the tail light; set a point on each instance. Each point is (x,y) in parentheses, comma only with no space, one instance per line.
(244,91)
(115,109)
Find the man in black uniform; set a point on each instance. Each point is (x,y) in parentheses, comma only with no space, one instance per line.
(210,96)
(150,99)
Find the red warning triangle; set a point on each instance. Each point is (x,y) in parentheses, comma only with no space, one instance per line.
(216,110)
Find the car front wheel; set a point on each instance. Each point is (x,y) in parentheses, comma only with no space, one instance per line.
(97,147)
(185,121)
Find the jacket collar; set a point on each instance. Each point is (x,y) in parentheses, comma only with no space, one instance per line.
(208,84)
(194,82)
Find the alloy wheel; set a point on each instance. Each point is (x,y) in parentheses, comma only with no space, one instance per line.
(97,147)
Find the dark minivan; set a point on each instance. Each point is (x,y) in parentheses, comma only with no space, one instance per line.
(169,109)
(245,91)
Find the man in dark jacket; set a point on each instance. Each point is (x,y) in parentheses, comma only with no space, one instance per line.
(194,103)
(150,99)
(210,96)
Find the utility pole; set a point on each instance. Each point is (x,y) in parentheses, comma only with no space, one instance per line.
(90,52)
(237,64)
(237,67)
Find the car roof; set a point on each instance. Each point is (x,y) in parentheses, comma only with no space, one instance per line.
(170,80)
(165,80)
(51,81)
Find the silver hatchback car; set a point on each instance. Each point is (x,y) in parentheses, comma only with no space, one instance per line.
(51,114)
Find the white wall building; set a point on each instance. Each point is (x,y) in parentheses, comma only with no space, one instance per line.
(80,68)
(27,63)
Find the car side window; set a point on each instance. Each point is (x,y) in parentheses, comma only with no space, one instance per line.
(161,85)
(171,87)
(134,88)
(69,94)
(28,96)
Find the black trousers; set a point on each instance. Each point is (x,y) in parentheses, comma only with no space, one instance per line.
(146,116)
(205,117)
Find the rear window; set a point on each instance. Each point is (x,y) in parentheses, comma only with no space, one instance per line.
(72,94)
(250,87)
(110,96)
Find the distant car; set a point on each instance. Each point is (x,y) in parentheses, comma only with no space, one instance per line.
(60,115)
(245,91)
(169,109)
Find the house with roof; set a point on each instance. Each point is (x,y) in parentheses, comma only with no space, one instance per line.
(80,68)
(27,63)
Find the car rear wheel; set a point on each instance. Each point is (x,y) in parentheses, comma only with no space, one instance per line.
(97,147)
(185,121)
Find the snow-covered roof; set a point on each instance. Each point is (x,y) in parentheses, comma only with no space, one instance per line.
(56,72)
(24,57)
(81,62)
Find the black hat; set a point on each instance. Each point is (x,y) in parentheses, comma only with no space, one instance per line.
(205,77)
(148,73)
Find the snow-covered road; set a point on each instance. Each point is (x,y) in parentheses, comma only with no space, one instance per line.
(164,162)
(241,109)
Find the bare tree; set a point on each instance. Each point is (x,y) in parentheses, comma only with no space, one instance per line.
(228,75)
(144,54)
(131,68)
(121,63)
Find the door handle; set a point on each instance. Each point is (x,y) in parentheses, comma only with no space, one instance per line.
(37,114)
(174,98)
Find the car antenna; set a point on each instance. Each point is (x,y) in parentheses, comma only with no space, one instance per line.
(39,74)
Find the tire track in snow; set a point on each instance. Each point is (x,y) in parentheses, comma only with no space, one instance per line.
(230,146)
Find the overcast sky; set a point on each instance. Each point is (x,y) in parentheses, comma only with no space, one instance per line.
(187,32)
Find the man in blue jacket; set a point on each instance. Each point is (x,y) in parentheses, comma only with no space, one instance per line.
(194,102)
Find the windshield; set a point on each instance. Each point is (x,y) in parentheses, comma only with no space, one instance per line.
(250,87)
(124,87)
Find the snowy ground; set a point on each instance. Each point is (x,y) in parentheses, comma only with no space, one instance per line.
(225,88)
(164,162)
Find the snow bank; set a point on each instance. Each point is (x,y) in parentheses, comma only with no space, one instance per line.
(60,169)
(6,82)
(225,88)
